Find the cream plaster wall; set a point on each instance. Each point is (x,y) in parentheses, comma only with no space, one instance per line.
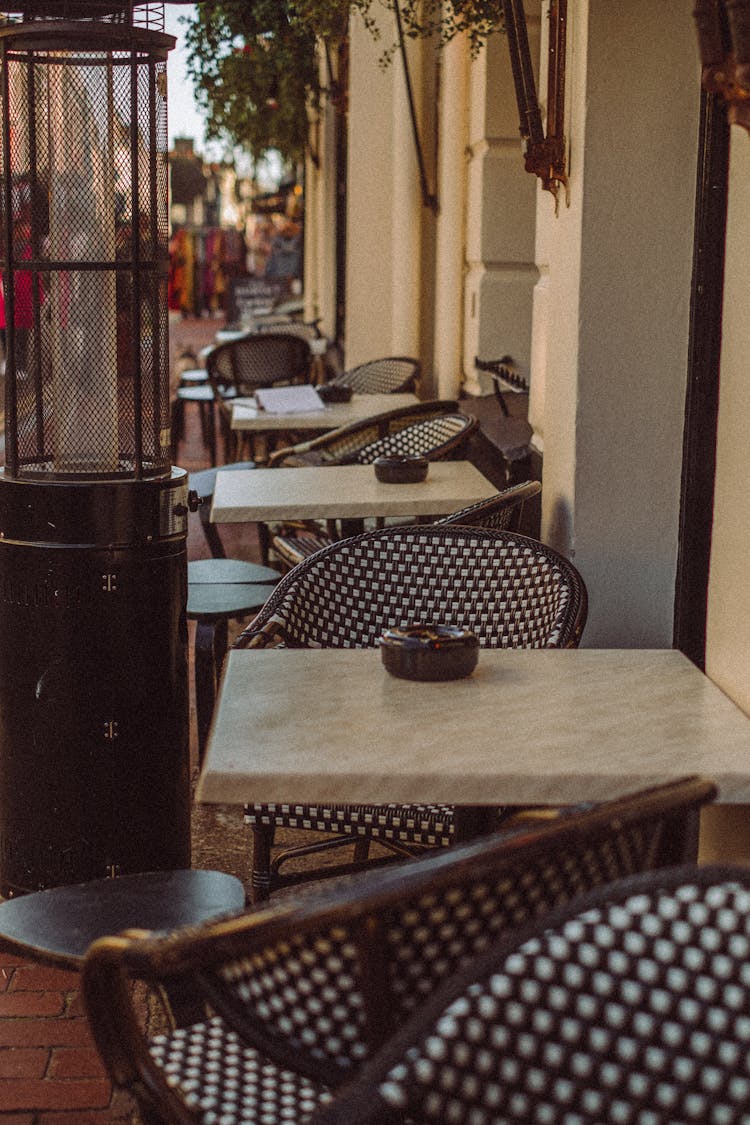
(725,831)
(320,223)
(383,208)
(500,216)
(451,221)
(728,626)
(611,319)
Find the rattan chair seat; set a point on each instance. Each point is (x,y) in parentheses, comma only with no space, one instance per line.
(512,591)
(628,1005)
(305,992)
(222,1079)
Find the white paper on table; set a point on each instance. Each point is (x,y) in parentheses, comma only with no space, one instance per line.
(289,400)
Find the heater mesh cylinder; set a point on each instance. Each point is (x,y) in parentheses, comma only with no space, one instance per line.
(83,250)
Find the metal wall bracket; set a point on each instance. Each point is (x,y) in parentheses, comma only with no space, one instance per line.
(724,42)
(544,154)
(429,198)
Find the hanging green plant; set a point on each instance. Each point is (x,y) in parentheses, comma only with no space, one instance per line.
(254,63)
(254,70)
(439,19)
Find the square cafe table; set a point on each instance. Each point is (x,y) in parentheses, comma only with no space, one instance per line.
(247,418)
(527,727)
(343,492)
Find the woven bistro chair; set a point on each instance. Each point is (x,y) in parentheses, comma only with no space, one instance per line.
(442,426)
(239,367)
(435,429)
(393,374)
(289,1002)
(512,591)
(628,1004)
(503,511)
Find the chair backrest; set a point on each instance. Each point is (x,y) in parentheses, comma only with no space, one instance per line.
(392,374)
(512,591)
(433,438)
(322,980)
(503,511)
(630,1004)
(255,360)
(343,445)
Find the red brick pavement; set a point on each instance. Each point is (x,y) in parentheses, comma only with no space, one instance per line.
(50,1073)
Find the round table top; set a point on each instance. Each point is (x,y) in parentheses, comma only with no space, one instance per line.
(227,587)
(58,925)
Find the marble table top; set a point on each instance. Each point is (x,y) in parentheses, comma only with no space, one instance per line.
(247,417)
(343,492)
(528,726)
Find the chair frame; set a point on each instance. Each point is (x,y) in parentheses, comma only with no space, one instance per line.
(341,446)
(525,871)
(344,446)
(268,629)
(228,381)
(362,1102)
(356,377)
(503,511)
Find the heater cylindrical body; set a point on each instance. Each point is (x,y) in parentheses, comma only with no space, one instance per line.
(94,746)
(94,769)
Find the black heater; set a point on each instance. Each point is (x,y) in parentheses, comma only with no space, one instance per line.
(94,771)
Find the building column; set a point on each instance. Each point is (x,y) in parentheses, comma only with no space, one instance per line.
(611,313)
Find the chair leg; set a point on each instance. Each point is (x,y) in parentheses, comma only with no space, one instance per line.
(208,429)
(264,542)
(211,639)
(211,532)
(178,426)
(260,885)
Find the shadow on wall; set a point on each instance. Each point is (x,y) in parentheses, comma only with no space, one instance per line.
(560,530)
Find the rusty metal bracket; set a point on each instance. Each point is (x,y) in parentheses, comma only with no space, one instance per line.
(544,154)
(429,198)
(724,43)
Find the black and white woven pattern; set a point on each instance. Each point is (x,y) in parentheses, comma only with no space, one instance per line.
(501,512)
(340,447)
(389,375)
(513,592)
(227,1083)
(305,992)
(631,1007)
(428,438)
(428,826)
(240,366)
(431,939)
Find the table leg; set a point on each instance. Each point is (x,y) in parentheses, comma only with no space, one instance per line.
(351,527)
(470,821)
(211,639)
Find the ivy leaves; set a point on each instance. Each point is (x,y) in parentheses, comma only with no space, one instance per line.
(254,62)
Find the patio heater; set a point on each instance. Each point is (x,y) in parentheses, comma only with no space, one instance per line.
(94,773)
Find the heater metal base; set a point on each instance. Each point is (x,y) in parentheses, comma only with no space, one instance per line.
(94,734)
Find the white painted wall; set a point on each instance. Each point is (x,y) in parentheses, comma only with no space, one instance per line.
(610,329)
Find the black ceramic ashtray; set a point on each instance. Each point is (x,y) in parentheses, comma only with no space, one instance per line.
(333,393)
(408,469)
(429,652)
